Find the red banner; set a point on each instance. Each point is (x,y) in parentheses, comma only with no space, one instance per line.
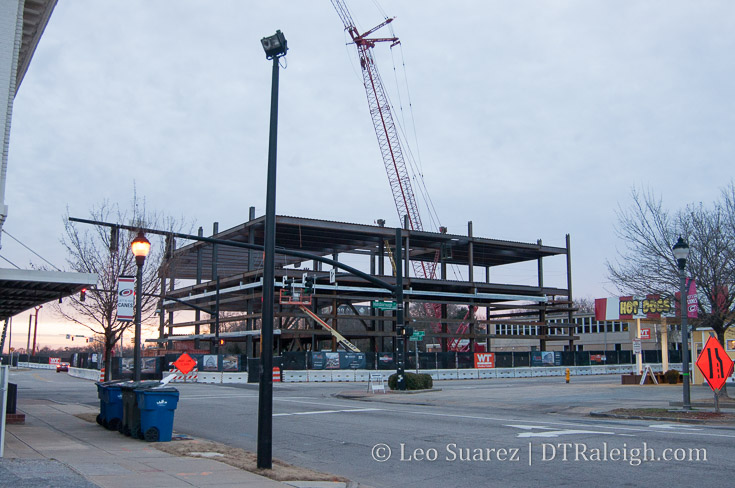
(484,360)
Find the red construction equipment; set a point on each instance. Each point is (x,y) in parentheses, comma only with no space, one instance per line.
(390,145)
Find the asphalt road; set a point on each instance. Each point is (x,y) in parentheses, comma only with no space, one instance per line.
(530,432)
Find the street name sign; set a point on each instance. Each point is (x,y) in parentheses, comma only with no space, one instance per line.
(383,305)
(418,335)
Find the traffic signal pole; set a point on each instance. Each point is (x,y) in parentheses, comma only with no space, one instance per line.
(400,326)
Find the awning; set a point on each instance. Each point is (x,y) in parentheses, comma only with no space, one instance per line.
(23,289)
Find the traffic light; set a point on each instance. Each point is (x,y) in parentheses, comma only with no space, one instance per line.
(288,286)
(83,295)
(221,342)
(405,331)
(309,285)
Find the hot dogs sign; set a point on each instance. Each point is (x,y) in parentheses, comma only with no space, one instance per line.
(649,307)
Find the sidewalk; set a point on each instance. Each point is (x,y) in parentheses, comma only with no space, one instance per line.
(56,448)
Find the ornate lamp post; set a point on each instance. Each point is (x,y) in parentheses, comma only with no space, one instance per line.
(140,247)
(681,253)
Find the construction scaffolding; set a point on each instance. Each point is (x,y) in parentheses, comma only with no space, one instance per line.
(228,282)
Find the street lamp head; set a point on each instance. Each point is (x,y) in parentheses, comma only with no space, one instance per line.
(141,247)
(274,46)
(681,252)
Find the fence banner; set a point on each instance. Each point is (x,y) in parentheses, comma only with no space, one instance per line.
(545,358)
(484,360)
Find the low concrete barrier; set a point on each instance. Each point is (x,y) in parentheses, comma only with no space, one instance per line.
(209,377)
(318,375)
(362,375)
(522,372)
(467,374)
(504,373)
(87,374)
(446,374)
(292,376)
(343,375)
(484,374)
(36,365)
(241,377)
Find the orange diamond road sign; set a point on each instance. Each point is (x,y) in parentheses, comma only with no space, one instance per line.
(185,363)
(715,364)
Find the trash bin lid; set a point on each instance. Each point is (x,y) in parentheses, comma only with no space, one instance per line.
(164,389)
(108,383)
(139,385)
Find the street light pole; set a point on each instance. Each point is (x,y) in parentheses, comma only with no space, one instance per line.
(35,330)
(140,246)
(681,253)
(275,47)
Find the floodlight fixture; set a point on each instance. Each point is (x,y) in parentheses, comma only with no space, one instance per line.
(275,46)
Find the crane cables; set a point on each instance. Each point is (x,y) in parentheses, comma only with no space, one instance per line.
(415,163)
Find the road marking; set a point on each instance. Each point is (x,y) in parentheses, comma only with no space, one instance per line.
(200,397)
(319,412)
(548,432)
(673,427)
(571,424)
(557,433)
(529,427)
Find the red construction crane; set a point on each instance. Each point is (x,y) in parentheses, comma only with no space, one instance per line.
(390,148)
(385,129)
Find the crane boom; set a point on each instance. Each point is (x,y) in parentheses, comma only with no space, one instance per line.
(385,129)
(390,148)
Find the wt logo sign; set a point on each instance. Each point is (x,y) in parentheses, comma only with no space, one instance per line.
(484,360)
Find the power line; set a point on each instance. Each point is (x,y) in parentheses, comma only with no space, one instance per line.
(6,259)
(34,252)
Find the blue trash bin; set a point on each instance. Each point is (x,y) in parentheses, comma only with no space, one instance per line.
(157,407)
(113,406)
(110,404)
(101,387)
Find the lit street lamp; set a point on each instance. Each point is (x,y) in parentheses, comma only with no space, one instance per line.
(275,46)
(141,247)
(681,253)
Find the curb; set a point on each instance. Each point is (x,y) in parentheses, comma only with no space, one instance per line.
(645,417)
(355,395)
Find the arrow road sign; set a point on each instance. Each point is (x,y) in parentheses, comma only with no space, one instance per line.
(714,364)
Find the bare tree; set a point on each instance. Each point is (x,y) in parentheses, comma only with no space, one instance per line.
(647,263)
(584,305)
(91,249)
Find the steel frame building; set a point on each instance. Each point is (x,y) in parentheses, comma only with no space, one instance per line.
(227,282)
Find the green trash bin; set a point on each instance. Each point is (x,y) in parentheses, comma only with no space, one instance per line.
(130,425)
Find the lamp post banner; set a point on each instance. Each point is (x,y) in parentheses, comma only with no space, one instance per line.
(126,298)
(692,307)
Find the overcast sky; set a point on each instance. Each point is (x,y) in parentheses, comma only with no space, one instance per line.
(533,119)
